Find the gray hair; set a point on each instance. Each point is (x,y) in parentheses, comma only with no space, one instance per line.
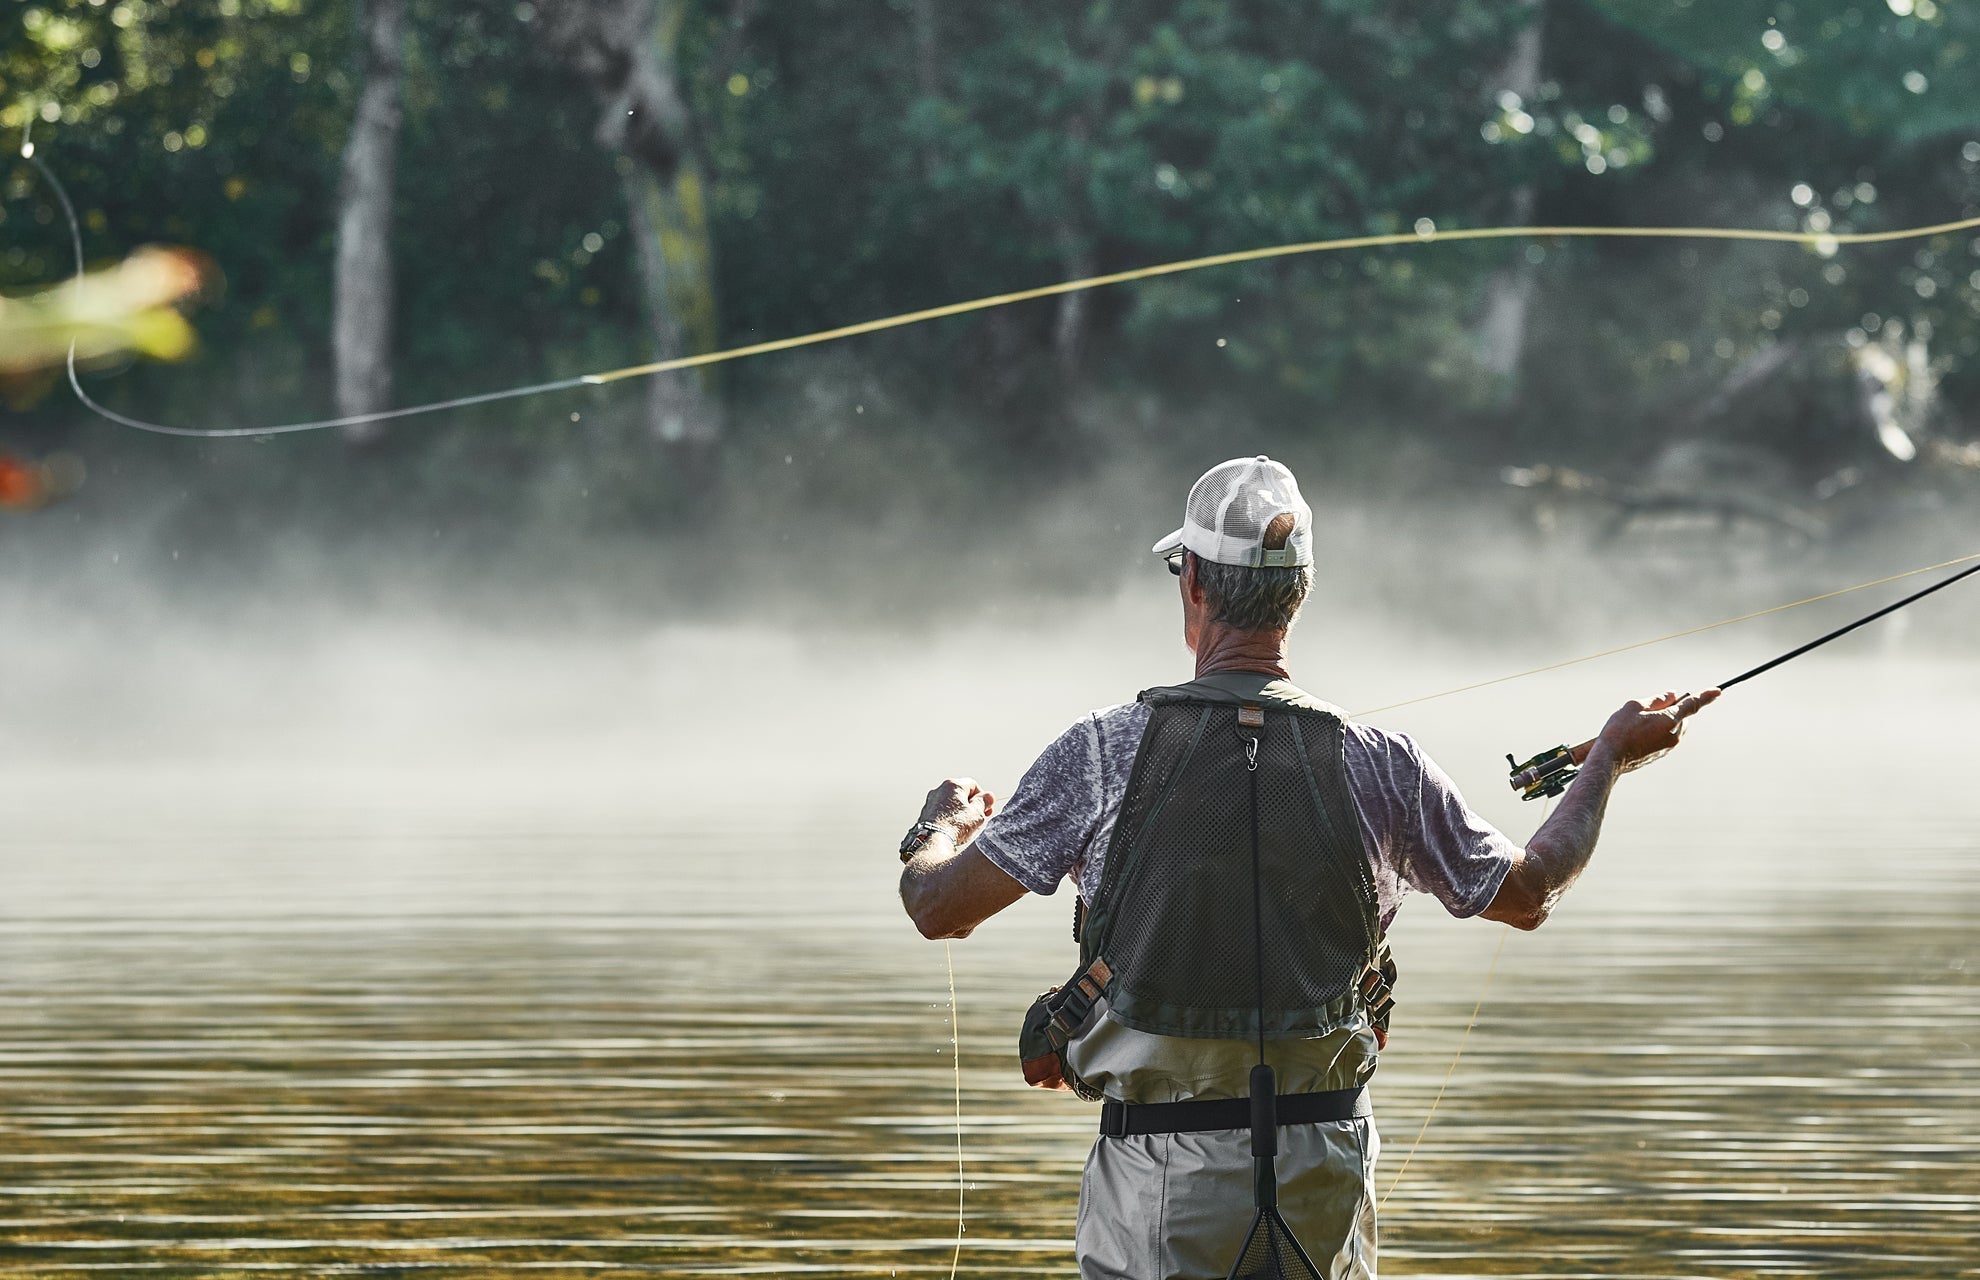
(1251,599)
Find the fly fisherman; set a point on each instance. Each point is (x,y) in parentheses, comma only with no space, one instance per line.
(1239,848)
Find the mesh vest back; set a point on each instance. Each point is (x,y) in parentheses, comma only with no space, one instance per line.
(1173,915)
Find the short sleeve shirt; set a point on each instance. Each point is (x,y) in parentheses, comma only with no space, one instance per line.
(1419,833)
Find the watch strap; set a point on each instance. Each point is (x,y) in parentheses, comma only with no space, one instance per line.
(918,837)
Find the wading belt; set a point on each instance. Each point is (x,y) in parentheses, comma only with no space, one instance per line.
(1201,1115)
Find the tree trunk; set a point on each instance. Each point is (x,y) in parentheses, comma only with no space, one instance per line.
(677,410)
(1501,331)
(624,49)
(1077,261)
(1070,324)
(361,325)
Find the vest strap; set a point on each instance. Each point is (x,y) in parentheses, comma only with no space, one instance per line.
(1202,1115)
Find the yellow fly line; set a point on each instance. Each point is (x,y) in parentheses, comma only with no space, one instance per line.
(1826,241)
(955,1058)
(1817,240)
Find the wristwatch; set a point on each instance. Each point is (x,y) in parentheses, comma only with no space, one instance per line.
(918,837)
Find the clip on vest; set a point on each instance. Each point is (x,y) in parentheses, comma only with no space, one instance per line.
(1378,993)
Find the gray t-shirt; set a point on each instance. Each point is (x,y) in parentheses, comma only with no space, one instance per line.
(1417,829)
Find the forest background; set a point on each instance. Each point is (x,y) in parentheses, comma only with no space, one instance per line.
(402,200)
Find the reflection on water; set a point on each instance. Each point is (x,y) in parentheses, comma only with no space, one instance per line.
(263,1036)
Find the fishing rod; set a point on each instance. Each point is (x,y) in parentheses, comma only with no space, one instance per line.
(1549,773)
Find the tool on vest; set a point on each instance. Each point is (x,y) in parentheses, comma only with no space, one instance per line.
(1270,1249)
(1549,773)
(1050,1024)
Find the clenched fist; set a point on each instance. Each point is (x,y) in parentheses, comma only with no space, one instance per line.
(959,807)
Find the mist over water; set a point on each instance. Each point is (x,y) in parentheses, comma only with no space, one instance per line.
(342,936)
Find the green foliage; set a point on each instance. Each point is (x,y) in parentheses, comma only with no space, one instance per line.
(1902,70)
(214,125)
(868,159)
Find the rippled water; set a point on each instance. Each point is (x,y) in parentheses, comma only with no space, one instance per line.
(336,1024)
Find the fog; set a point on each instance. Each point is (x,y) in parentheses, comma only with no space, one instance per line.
(148,714)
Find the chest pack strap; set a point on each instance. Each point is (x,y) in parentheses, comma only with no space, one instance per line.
(1202,1115)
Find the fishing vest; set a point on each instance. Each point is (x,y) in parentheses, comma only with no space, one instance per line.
(1168,938)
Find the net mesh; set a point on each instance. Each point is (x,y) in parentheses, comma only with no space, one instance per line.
(1180,942)
(1231,505)
(1271,1253)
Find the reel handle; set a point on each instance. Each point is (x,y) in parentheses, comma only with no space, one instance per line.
(1548,773)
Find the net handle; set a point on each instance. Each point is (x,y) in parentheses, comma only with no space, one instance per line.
(1264,1086)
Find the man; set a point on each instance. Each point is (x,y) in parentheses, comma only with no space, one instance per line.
(1346,819)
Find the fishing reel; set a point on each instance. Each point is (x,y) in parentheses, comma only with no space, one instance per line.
(1546,774)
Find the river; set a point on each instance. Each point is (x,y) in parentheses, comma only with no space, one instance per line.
(416,954)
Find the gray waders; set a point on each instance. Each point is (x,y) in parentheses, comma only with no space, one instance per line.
(1236,904)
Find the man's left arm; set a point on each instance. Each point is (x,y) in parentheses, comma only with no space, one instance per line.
(949,888)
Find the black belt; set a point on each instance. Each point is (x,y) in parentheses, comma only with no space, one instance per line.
(1123,1119)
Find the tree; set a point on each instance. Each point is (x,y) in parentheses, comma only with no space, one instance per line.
(362,300)
(1501,328)
(1116,135)
(625,50)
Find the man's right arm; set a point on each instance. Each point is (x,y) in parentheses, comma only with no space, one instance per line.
(957,883)
(1559,851)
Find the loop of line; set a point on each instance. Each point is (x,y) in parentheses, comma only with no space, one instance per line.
(1820,240)
(955,1057)
(1810,238)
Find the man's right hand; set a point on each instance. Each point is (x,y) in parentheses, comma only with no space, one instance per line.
(1639,732)
(949,894)
(960,807)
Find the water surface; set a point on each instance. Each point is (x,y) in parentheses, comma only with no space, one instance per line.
(608,977)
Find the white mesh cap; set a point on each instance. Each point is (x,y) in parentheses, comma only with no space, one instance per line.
(1230,508)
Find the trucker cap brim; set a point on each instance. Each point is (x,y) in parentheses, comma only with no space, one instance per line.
(1169,545)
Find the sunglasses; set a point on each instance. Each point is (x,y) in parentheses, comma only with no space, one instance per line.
(1175,561)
